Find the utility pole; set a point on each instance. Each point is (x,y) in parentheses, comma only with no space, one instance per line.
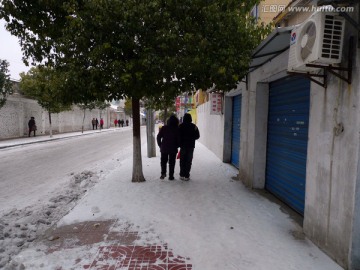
(150,133)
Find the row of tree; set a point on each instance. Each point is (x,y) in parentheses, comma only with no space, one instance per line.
(154,49)
(44,84)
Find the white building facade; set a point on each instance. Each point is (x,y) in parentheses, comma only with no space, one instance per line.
(298,140)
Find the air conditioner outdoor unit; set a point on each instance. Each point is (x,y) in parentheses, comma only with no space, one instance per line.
(318,40)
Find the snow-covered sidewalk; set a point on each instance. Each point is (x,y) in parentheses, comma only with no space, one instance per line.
(211,222)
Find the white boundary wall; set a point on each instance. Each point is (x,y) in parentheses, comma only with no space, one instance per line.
(16,113)
(211,129)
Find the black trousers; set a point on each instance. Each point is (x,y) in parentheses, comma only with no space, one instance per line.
(31,130)
(164,159)
(186,157)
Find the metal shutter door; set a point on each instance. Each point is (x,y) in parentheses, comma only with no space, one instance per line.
(235,133)
(288,123)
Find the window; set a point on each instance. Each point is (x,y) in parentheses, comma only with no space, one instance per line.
(255,12)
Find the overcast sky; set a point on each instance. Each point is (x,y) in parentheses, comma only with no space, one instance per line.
(10,51)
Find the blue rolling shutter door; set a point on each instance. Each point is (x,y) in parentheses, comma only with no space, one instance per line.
(235,134)
(288,123)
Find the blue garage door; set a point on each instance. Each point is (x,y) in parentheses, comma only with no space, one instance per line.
(235,141)
(288,123)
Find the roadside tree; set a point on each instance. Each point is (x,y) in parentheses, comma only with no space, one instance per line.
(101,105)
(128,108)
(44,85)
(5,83)
(136,49)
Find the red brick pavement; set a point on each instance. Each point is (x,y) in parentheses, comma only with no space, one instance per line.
(119,250)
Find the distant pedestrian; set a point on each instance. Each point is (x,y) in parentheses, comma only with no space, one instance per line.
(116,122)
(188,133)
(122,122)
(96,122)
(32,125)
(127,122)
(101,123)
(167,139)
(93,122)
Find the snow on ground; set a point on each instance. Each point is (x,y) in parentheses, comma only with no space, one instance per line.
(212,219)
(36,212)
(20,227)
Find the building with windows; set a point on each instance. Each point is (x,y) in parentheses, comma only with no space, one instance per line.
(266,10)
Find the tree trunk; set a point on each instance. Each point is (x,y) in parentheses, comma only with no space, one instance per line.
(150,131)
(137,175)
(82,127)
(165,115)
(50,124)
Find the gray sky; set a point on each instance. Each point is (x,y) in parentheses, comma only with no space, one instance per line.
(10,50)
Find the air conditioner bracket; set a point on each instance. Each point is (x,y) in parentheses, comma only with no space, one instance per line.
(332,69)
(312,77)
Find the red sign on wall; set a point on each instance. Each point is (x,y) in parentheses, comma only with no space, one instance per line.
(177,103)
(216,103)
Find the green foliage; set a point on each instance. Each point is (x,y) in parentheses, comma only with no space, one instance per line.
(166,112)
(220,38)
(128,107)
(87,106)
(5,83)
(110,49)
(116,49)
(45,85)
(160,103)
(101,105)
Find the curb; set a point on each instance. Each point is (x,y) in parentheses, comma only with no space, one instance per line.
(53,139)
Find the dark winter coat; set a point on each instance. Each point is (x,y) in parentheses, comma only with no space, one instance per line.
(32,124)
(167,139)
(188,132)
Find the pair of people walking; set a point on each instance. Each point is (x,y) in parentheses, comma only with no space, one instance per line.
(95,123)
(170,138)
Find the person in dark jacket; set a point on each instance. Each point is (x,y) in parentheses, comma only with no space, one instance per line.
(188,134)
(32,125)
(167,139)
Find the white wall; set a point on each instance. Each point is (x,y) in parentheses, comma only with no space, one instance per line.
(332,167)
(211,129)
(16,113)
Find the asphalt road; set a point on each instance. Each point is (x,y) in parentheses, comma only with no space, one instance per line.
(30,172)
